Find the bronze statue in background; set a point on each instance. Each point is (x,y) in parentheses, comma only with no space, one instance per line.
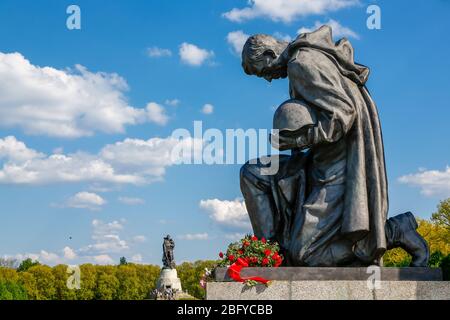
(168,258)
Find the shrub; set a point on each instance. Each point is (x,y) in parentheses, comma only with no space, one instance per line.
(190,275)
(27,264)
(445,265)
(10,290)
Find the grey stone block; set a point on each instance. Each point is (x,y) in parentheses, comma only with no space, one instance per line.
(326,274)
(330,290)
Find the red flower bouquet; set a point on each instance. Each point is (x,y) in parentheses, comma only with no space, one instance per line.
(250,252)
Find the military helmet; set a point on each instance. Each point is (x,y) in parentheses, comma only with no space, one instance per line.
(292,116)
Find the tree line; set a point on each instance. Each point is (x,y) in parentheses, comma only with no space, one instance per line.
(126,281)
(129,281)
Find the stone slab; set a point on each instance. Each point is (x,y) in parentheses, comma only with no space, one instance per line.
(330,290)
(329,274)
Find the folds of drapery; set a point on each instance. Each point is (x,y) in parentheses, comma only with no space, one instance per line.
(324,74)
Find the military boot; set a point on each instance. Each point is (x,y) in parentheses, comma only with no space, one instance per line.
(401,232)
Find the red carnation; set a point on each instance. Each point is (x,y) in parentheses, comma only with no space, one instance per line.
(265,262)
(254,238)
(254,260)
(246,244)
(267,252)
(278,259)
(221,254)
(231,257)
(263,240)
(278,262)
(240,252)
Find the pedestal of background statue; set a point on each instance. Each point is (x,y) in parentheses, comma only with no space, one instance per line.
(331,284)
(169,279)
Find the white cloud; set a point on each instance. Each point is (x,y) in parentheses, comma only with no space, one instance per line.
(40,168)
(58,150)
(43,257)
(172,102)
(146,159)
(106,243)
(48,257)
(237,40)
(339,31)
(139,238)
(156,52)
(282,36)
(103,259)
(65,103)
(208,109)
(97,187)
(194,56)
(86,200)
(69,253)
(17,151)
(286,10)
(106,238)
(136,258)
(227,213)
(156,114)
(195,236)
(21,257)
(131,201)
(431,182)
(131,161)
(234,236)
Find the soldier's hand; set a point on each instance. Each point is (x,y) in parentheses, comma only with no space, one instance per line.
(282,142)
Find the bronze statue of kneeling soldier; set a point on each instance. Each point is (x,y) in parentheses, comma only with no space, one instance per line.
(327,204)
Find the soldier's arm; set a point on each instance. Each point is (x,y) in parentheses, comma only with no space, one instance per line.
(315,78)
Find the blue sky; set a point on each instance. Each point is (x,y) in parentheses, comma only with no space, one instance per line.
(83,173)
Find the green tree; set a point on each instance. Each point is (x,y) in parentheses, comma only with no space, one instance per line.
(8,274)
(396,257)
(147,277)
(45,282)
(123,261)
(107,283)
(88,285)
(442,216)
(27,264)
(190,275)
(128,282)
(28,281)
(436,236)
(10,290)
(62,291)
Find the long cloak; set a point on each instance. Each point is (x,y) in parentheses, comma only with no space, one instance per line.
(347,109)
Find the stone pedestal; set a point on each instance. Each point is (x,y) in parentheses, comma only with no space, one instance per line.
(169,279)
(333,284)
